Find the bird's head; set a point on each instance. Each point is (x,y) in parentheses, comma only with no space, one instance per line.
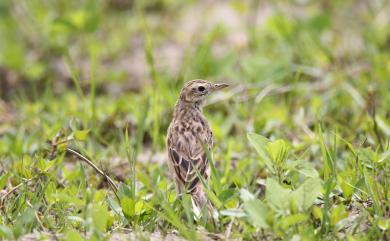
(196,91)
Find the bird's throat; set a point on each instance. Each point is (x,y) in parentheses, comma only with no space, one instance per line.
(184,107)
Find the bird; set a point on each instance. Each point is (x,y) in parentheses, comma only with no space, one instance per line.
(190,140)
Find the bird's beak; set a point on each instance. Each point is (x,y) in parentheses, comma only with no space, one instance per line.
(220,86)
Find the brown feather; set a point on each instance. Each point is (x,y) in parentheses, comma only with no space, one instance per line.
(188,134)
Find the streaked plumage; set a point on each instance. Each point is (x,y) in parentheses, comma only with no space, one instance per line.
(189,134)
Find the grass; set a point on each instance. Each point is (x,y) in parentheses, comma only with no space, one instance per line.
(302,137)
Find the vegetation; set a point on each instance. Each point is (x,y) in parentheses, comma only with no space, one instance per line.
(302,137)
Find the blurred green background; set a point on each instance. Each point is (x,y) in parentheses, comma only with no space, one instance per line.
(94,71)
(326,59)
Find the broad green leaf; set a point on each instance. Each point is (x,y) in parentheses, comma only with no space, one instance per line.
(80,135)
(259,143)
(45,165)
(338,213)
(257,212)
(73,235)
(245,195)
(64,196)
(308,170)
(384,223)
(128,206)
(345,186)
(282,199)
(114,206)
(24,222)
(99,195)
(100,217)
(277,197)
(27,217)
(139,207)
(317,213)
(49,164)
(288,221)
(291,165)
(6,233)
(226,194)
(307,193)
(124,190)
(278,150)
(233,212)
(50,192)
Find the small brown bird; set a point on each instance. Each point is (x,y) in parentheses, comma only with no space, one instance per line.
(188,135)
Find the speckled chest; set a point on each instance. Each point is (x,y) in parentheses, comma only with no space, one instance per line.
(190,121)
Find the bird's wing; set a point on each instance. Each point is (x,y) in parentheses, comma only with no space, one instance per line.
(187,154)
(186,169)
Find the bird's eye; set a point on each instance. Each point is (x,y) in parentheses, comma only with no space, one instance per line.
(201,88)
